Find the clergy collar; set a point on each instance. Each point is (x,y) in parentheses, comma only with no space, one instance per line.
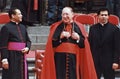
(103,24)
(15,22)
(68,23)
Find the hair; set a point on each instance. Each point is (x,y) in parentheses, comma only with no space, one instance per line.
(12,11)
(103,9)
(69,8)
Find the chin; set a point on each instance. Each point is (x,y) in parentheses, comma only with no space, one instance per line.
(21,20)
(66,22)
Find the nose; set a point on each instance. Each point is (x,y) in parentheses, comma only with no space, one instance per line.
(64,16)
(21,15)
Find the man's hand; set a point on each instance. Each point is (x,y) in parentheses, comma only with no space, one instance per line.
(25,50)
(65,34)
(75,36)
(115,66)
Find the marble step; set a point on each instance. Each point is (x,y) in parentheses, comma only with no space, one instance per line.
(38,46)
(37,38)
(41,30)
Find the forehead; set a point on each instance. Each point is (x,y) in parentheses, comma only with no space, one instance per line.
(104,12)
(66,10)
(17,11)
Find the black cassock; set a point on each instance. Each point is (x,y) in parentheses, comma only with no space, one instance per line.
(104,42)
(12,32)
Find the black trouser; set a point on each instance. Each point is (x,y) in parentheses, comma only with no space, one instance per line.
(105,70)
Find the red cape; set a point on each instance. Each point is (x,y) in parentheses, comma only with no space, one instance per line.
(87,69)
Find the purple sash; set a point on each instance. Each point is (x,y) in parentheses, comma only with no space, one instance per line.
(17,46)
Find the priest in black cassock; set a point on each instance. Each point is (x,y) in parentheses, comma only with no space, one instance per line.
(14,45)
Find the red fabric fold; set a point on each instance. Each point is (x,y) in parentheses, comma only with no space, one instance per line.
(67,47)
(35,4)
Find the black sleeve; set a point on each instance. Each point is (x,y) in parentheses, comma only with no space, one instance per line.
(28,41)
(117,45)
(90,37)
(82,38)
(56,41)
(4,35)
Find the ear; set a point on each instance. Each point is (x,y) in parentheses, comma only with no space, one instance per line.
(73,14)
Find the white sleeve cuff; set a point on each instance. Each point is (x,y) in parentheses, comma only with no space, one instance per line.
(77,41)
